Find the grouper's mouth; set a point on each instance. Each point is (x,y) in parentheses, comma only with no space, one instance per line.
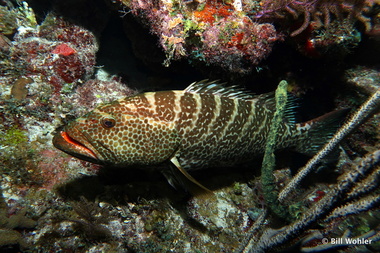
(81,149)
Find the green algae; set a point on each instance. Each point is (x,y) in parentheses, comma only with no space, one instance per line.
(12,18)
(237,188)
(8,21)
(27,15)
(13,136)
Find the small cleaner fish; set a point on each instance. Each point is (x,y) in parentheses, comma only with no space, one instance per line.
(205,125)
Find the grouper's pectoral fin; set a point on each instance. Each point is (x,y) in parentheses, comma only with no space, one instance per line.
(186,180)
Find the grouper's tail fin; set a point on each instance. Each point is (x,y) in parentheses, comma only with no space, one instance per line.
(319,131)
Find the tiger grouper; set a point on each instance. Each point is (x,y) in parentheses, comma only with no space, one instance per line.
(205,125)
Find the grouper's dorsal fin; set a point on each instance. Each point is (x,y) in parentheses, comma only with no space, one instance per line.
(290,113)
(190,183)
(220,89)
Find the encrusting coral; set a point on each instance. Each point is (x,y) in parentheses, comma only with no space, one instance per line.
(211,32)
(236,35)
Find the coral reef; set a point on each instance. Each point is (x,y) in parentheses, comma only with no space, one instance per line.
(236,47)
(59,51)
(211,32)
(345,199)
(328,28)
(318,13)
(345,191)
(52,202)
(236,35)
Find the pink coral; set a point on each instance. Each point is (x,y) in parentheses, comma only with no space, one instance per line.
(221,34)
(64,49)
(237,49)
(211,31)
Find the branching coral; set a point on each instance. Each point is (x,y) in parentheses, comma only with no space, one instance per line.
(91,218)
(317,12)
(351,194)
(271,238)
(364,111)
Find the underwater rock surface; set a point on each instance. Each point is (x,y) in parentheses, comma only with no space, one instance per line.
(51,202)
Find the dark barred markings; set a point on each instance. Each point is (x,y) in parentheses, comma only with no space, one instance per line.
(202,126)
(154,105)
(239,116)
(211,128)
(231,131)
(164,105)
(136,106)
(224,116)
(237,134)
(187,114)
(226,129)
(264,109)
(205,111)
(220,132)
(206,114)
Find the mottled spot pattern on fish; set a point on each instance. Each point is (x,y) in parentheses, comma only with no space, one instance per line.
(220,130)
(202,126)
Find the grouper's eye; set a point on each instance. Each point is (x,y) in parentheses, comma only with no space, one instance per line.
(108,122)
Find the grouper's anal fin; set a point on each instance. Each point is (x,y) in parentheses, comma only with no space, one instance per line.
(182,177)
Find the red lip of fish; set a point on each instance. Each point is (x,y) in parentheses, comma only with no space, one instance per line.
(65,142)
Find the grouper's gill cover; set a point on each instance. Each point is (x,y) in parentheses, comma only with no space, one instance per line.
(204,125)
